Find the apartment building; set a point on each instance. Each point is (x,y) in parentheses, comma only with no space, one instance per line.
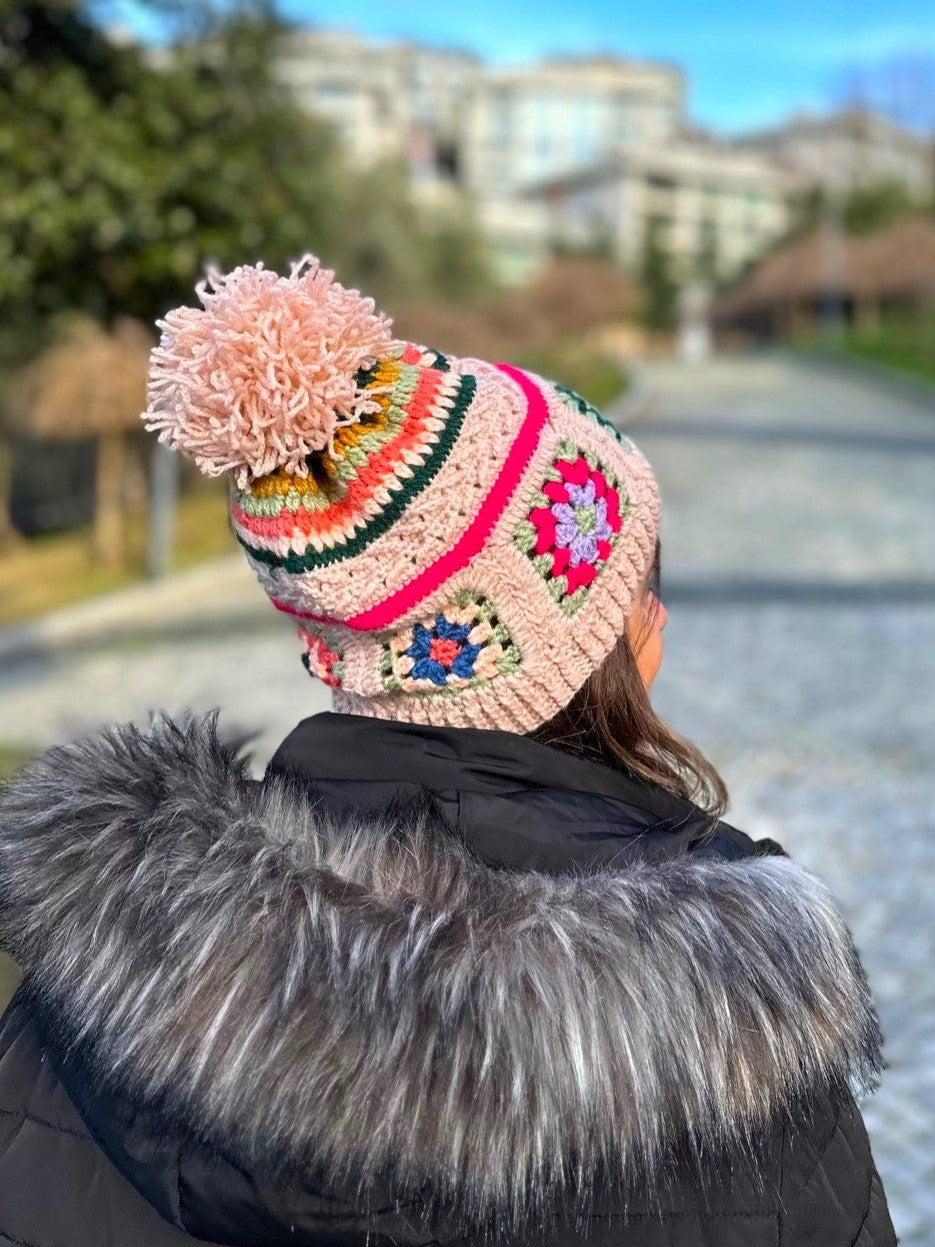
(848,151)
(713,208)
(525,125)
(585,151)
(490,134)
(403,100)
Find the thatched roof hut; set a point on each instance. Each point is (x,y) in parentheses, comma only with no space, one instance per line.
(898,263)
(859,273)
(89,383)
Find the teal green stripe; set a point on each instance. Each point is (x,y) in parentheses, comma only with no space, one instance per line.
(422,476)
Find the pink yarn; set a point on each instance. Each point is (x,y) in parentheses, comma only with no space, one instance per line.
(263,373)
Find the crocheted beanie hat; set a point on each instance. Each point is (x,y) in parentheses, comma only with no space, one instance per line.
(459,542)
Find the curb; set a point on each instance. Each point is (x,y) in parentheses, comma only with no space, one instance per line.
(628,411)
(221,587)
(916,389)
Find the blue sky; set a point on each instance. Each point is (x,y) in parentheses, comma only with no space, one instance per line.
(748,64)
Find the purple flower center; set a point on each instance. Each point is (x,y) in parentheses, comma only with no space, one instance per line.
(581,523)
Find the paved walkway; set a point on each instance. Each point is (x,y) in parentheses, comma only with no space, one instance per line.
(799,570)
(206,638)
(800,575)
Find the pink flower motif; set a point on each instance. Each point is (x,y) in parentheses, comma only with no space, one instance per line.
(579,577)
(581,524)
(578,525)
(576,472)
(319,660)
(613,509)
(555,491)
(560,560)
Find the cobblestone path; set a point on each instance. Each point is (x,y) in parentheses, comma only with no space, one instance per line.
(799,571)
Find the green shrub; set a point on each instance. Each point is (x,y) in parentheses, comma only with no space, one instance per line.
(592,374)
(904,342)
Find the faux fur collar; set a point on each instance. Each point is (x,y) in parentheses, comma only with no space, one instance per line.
(375,997)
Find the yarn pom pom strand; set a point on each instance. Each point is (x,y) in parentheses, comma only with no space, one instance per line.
(263,373)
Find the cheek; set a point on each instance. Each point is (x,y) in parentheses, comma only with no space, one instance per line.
(645,635)
(649,659)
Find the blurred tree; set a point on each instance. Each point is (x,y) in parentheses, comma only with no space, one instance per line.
(874,207)
(862,211)
(92,383)
(125,169)
(456,258)
(805,211)
(395,248)
(660,290)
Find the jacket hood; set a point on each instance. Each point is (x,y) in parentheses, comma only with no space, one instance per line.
(514,801)
(355,995)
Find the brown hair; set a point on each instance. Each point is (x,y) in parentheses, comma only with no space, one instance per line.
(611,719)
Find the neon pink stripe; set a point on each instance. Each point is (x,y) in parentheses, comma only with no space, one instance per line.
(473,539)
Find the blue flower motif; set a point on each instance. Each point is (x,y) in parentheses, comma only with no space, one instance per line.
(421,645)
(427,666)
(429,669)
(463,665)
(449,631)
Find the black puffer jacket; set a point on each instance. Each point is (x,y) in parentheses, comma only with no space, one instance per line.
(420,986)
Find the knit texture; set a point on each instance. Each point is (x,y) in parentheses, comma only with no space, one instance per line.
(461,544)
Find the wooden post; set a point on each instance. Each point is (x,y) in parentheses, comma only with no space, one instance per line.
(163,499)
(8,533)
(108,507)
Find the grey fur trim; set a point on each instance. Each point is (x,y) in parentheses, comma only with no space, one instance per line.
(379,999)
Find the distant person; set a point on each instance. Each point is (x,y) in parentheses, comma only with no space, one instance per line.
(476,961)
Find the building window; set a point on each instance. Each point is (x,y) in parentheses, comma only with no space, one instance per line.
(501,115)
(333,90)
(623,118)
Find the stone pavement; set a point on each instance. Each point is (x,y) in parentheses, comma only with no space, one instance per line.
(799,570)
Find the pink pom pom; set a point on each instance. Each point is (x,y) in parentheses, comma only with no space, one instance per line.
(262,374)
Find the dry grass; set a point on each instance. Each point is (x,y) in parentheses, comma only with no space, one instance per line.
(10,760)
(44,573)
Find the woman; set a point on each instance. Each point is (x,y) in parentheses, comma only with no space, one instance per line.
(477,960)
